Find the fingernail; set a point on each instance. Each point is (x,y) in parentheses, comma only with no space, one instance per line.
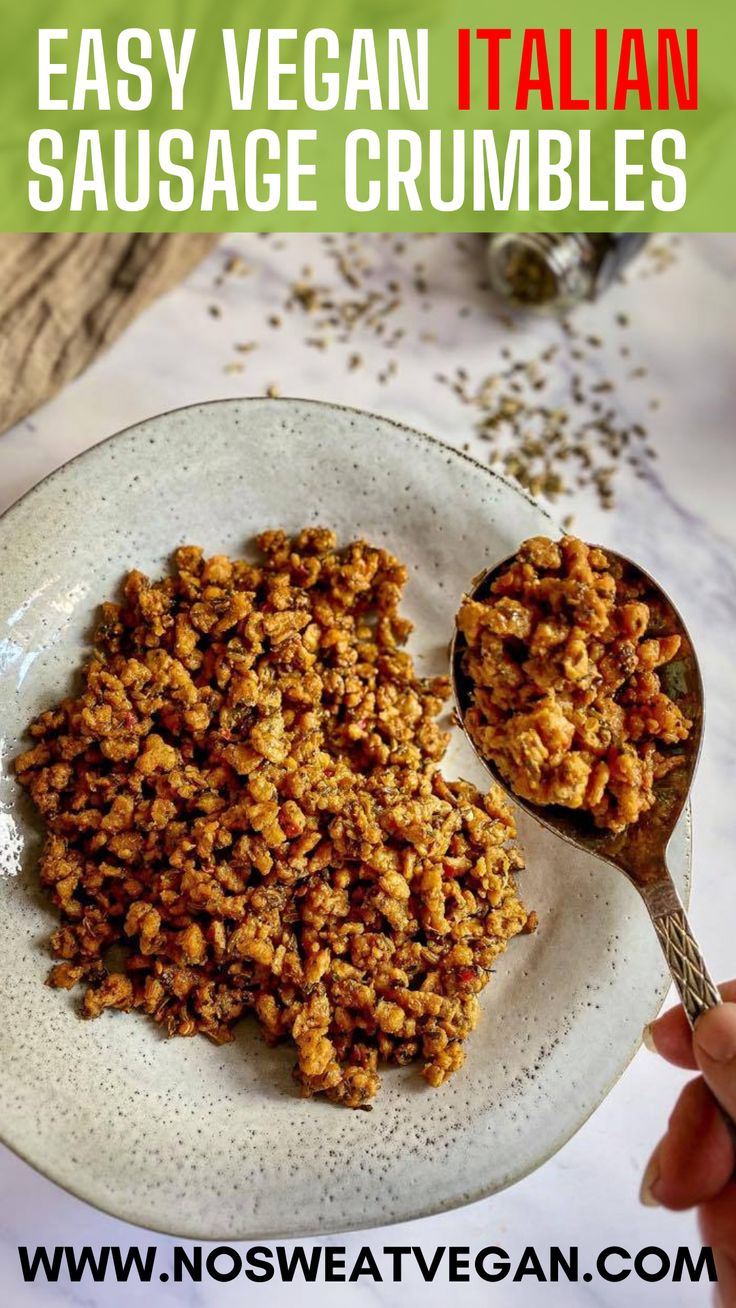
(651,1177)
(715,1033)
(647,1038)
(726,1269)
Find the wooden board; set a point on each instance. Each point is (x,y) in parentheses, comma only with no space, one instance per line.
(67,296)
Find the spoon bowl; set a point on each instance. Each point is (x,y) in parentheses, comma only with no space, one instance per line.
(639,850)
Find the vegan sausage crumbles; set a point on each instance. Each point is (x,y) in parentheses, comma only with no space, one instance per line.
(246,796)
(566,698)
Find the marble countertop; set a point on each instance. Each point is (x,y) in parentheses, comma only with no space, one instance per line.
(678,521)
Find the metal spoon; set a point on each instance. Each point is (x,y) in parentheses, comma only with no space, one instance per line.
(640,850)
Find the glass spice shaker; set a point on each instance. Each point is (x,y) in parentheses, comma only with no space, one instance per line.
(555,270)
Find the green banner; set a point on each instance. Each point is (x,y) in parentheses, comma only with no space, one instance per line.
(166,115)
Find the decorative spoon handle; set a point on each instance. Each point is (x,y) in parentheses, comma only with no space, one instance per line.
(684,959)
(679,946)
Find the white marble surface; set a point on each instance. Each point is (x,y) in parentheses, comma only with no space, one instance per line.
(680,523)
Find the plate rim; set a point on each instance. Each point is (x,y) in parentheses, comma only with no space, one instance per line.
(267,401)
(659,996)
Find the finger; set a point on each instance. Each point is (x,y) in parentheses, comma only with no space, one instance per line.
(694,1160)
(672,1037)
(726,1273)
(717,1220)
(714,1042)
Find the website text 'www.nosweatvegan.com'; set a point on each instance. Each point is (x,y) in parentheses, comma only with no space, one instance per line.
(336,1263)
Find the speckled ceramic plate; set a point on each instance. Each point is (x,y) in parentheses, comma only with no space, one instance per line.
(214,1142)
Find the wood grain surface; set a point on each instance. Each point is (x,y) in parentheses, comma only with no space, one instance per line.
(67,296)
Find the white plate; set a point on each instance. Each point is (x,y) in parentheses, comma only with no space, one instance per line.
(214,1142)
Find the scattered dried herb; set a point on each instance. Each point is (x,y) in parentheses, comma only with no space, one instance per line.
(550,419)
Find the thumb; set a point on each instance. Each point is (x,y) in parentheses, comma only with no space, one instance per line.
(714,1045)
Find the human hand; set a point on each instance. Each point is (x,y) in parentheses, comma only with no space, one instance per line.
(694,1163)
